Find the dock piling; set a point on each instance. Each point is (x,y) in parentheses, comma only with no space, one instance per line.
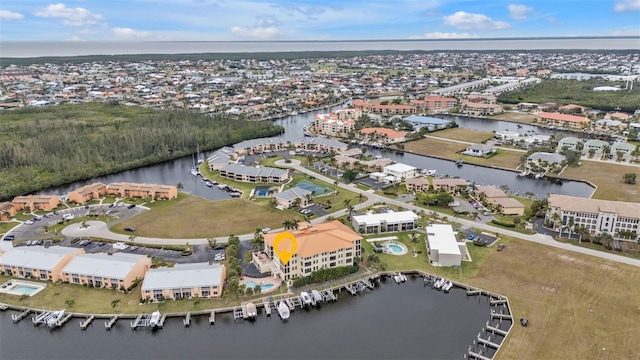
(17,318)
(87,322)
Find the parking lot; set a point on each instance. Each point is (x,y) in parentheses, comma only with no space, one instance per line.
(478,237)
(313,209)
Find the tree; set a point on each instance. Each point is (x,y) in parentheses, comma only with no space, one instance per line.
(570,224)
(179,186)
(555,217)
(350,211)
(444,198)
(115,303)
(516,221)
(629,178)
(414,240)
(258,240)
(287,224)
(619,155)
(360,197)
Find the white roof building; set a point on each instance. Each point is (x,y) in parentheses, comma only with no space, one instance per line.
(197,279)
(443,247)
(385,222)
(23,260)
(401,171)
(117,265)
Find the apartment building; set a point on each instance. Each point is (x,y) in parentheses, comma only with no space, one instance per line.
(265,174)
(417,185)
(597,216)
(436,103)
(7,211)
(401,171)
(385,222)
(184,281)
(452,186)
(88,193)
(564,120)
(115,271)
(391,109)
(337,123)
(258,146)
(37,261)
(321,144)
(384,135)
(36,202)
(320,246)
(296,196)
(153,191)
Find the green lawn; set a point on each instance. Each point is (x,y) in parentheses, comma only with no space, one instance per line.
(6,226)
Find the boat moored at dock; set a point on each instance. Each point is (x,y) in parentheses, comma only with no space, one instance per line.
(283,310)
(306,298)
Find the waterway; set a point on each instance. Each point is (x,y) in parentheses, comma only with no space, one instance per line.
(406,321)
(177,171)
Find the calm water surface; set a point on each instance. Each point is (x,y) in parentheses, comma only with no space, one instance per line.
(393,321)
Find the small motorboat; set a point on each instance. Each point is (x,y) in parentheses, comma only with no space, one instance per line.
(252,312)
(315,294)
(154,321)
(55,318)
(208,183)
(447,286)
(283,310)
(306,298)
(396,278)
(402,277)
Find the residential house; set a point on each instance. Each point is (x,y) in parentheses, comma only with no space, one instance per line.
(401,171)
(37,261)
(618,116)
(625,148)
(571,143)
(563,120)
(417,185)
(319,246)
(36,202)
(88,192)
(296,196)
(184,281)
(450,185)
(153,191)
(479,150)
(115,271)
(442,246)
(618,218)
(7,211)
(265,174)
(346,162)
(545,159)
(385,222)
(594,145)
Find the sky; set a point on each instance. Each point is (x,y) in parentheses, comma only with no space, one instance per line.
(235,20)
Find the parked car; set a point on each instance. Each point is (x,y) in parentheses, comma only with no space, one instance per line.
(29,222)
(501,246)
(128,228)
(131,206)
(10,237)
(266,230)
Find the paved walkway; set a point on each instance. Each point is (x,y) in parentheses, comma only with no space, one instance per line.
(100,229)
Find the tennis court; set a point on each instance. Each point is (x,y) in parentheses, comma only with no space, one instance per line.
(317,190)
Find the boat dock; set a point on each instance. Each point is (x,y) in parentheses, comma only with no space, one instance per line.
(212,317)
(40,318)
(328,295)
(187,320)
(296,301)
(109,324)
(17,318)
(268,306)
(496,330)
(64,320)
(3,307)
(87,322)
(239,312)
(475,355)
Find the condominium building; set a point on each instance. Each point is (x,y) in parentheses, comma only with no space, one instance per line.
(243,173)
(564,120)
(401,171)
(116,271)
(320,246)
(36,202)
(436,103)
(391,109)
(442,246)
(338,123)
(87,193)
(296,196)
(385,222)
(417,184)
(184,281)
(258,146)
(7,211)
(450,185)
(37,261)
(618,218)
(153,191)
(383,135)
(321,144)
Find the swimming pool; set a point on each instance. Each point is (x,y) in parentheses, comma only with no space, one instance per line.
(21,287)
(263,287)
(395,248)
(262,191)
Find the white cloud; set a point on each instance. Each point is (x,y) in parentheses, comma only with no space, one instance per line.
(261,33)
(70,16)
(554,20)
(519,12)
(441,35)
(469,21)
(75,39)
(10,15)
(131,34)
(627,5)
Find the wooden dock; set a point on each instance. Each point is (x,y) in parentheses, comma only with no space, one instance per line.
(473,292)
(139,321)
(3,307)
(163,318)
(477,356)
(328,295)
(496,330)
(239,312)
(487,342)
(296,302)
(17,318)
(109,324)
(85,324)
(267,307)
(212,317)
(187,320)
(501,316)
(289,304)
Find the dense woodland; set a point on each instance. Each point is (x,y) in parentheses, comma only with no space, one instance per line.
(43,147)
(565,92)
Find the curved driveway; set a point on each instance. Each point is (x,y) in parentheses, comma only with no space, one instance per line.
(100,229)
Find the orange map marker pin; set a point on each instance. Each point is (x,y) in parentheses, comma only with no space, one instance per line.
(285,245)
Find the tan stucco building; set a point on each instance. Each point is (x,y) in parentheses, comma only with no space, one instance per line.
(184,281)
(87,193)
(37,262)
(36,202)
(155,192)
(116,271)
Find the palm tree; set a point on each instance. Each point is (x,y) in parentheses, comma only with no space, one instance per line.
(555,217)
(294,224)
(287,224)
(570,224)
(414,240)
(258,240)
(360,196)
(179,186)
(350,211)
(347,202)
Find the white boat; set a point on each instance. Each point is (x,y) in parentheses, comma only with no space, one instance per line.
(222,186)
(155,319)
(283,310)
(306,299)
(447,286)
(438,283)
(402,277)
(316,296)
(208,183)
(251,310)
(194,171)
(55,318)
(396,278)
(428,172)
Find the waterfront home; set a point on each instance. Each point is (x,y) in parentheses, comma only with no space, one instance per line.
(296,196)
(221,158)
(401,171)
(442,246)
(479,150)
(417,185)
(258,146)
(319,246)
(489,192)
(625,148)
(507,206)
(376,164)
(184,281)
(153,191)
(88,192)
(609,125)
(320,144)
(563,120)
(385,222)
(265,174)
(595,145)
(7,211)
(545,159)
(450,185)
(36,202)
(116,271)
(383,135)
(37,261)
(570,143)
(345,162)
(618,218)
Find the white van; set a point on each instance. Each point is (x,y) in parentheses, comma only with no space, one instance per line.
(68,216)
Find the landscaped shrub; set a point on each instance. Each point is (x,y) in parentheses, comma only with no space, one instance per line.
(501,223)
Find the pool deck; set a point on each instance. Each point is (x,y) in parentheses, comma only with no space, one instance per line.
(9,286)
(276,282)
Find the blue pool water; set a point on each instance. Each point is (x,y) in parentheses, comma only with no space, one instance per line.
(395,248)
(251,285)
(24,290)
(262,191)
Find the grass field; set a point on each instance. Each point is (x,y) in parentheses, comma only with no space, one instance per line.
(608,178)
(519,117)
(6,226)
(449,150)
(470,135)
